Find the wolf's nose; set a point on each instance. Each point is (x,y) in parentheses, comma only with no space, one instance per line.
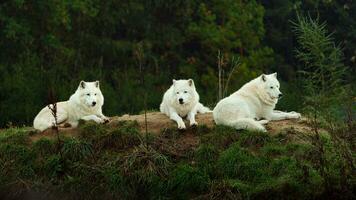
(94,103)
(280,95)
(180,100)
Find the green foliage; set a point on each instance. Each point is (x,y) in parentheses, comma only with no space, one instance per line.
(53,166)
(323,70)
(236,162)
(75,150)
(186,180)
(14,136)
(221,136)
(44,147)
(135,48)
(123,135)
(325,95)
(255,139)
(53,45)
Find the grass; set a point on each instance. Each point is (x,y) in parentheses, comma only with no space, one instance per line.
(115,163)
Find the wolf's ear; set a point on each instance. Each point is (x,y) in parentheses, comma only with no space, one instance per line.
(263,77)
(275,74)
(97,84)
(174,81)
(82,84)
(191,82)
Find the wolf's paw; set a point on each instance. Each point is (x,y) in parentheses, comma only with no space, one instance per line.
(264,130)
(99,120)
(193,124)
(106,120)
(263,121)
(181,126)
(261,129)
(295,115)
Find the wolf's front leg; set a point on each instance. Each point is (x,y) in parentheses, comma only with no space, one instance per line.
(191,118)
(279,115)
(174,116)
(94,118)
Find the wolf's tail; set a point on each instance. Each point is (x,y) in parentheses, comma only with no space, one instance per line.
(245,123)
(202,109)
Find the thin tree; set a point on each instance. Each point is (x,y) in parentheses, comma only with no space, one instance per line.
(140,57)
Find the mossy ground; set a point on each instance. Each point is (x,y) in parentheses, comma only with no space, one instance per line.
(202,163)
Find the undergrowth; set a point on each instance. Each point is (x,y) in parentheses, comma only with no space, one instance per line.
(116,163)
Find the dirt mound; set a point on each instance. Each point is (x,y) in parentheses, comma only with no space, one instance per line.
(158,123)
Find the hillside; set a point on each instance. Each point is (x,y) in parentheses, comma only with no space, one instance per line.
(119,161)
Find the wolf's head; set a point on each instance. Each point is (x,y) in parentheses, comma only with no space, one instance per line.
(184,91)
(270,86)
(90,94)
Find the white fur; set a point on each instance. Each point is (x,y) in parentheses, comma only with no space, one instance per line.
(254,101)
(189,107)
(79,106)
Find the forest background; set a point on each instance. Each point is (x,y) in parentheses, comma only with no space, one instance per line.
(136,47)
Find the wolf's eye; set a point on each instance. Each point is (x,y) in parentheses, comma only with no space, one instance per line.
(271,87)
(88,94)
(177,92)
(185,92)
(95,94)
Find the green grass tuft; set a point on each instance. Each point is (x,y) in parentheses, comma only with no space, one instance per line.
(186,179)
(76,150)
(53,167)
(17,136)
(44,147)
(221,137)
(254,139)
(236,162)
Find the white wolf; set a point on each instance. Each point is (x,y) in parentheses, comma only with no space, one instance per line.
(84,104)
(254,101)
(182,100)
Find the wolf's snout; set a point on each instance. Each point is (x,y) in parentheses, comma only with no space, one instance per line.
(94,103)
(280,95)
(181,101)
